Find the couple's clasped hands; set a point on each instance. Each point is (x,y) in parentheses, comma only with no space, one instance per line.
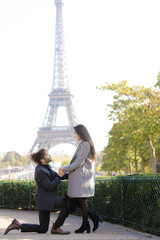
(61,172)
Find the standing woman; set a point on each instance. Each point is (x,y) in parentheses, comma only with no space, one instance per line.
(47,181)
(81,176)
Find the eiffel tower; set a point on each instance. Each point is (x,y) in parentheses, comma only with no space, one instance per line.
(50,134)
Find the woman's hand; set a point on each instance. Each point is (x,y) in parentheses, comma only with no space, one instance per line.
(61,172)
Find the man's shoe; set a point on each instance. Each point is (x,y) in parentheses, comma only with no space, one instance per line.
(14,225)
(58,230)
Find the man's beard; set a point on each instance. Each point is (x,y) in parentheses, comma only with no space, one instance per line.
(48,160)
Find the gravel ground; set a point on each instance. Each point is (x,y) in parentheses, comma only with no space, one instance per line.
(106,231)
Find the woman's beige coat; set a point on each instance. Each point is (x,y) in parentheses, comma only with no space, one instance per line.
(81,172)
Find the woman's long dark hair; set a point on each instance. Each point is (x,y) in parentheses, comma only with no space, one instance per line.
(83,133)
(36,157)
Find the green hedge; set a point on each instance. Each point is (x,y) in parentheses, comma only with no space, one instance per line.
(17,194)
(132,200)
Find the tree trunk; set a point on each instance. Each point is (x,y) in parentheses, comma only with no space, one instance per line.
(143,160)
(153,156)
(135,159)
(130,166)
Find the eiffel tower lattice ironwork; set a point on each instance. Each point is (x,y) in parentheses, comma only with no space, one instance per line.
(49,134)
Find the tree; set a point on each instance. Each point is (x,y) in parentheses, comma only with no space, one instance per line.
(14,159)
(66,162)
(137,110)
(158,81)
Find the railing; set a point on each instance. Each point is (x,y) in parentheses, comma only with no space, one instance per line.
(129,200)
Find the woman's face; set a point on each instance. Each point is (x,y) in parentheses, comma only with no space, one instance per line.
(76,136)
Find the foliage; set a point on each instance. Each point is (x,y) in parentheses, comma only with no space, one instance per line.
(17,194)
(13,158)
(134,136)
(158,81)
(65,162)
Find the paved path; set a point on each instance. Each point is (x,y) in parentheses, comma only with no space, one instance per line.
(106,231)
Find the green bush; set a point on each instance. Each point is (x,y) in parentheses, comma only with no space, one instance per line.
(17,194)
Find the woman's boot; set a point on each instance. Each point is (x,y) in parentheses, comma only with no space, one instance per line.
(84,227)
(96,219)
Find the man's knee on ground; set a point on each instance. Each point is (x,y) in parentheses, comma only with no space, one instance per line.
(43,229)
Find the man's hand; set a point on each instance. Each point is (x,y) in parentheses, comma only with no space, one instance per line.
(61,172)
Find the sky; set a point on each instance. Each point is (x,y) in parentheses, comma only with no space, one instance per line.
(106,41)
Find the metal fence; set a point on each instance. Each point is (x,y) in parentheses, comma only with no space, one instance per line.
(130,200)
